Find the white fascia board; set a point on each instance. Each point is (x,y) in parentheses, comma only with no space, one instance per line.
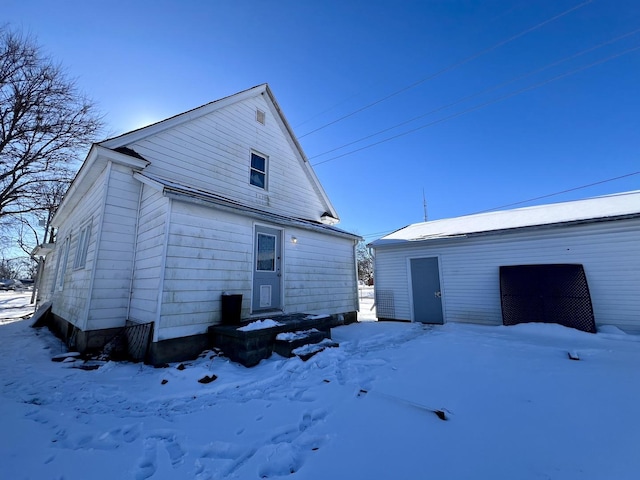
(95,162)
(220,204)
(80,182)
(121,158)
(148,181)
(144,132)
(43,250)
(297,148)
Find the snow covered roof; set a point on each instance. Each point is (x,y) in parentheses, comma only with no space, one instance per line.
(187,193)
(587,210)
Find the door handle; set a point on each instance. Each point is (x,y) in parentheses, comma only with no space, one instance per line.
(437,294)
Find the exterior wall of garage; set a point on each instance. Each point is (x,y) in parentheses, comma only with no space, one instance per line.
(469,270)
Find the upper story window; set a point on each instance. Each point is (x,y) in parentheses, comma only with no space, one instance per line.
(260,116)
(258,175)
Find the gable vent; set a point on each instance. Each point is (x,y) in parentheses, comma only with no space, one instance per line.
(260,116)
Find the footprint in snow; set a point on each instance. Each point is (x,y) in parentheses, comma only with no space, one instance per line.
(149,462)
(281,459)
(147,466)
(228,458)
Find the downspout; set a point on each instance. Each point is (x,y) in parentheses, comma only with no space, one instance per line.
(135,250)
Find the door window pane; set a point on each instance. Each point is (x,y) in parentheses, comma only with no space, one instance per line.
(266,257)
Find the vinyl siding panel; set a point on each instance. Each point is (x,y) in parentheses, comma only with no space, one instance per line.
(211,251)
(320,273)
(208,252)
(71,302)
(609,251)
(217,150)
(150,244)
(114,261)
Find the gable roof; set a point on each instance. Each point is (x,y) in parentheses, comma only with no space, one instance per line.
(608,207)
(122,141)
(117,149)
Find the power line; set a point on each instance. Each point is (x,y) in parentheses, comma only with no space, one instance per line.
(481,92)
(342,102)
(482,105)
(529,200)
(355,95)
(559,193)
(451,67)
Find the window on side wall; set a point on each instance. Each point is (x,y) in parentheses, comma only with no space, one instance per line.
(258,174)
(83,246)
(61,265)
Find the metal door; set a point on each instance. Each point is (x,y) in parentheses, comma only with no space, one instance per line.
(425,288)
(267,274)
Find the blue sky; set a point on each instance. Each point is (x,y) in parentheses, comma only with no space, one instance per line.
(574,121)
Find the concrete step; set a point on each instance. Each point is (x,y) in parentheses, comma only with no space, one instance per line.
(286,342)
(305,352)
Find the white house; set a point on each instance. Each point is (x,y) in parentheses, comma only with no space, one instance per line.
(161,221)
(449,270)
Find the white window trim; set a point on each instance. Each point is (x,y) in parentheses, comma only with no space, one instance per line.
(61,266)
(265,173)
(82,246)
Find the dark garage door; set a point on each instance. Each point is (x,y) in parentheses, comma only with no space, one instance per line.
(556,293)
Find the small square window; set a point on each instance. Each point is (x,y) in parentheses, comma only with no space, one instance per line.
(258,174)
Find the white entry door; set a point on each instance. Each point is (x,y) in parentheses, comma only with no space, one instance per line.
(267,275)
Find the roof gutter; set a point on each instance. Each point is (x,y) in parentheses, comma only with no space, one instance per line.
(221,203)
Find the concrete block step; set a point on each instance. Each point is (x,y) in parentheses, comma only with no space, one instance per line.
(305,352)
(286,342)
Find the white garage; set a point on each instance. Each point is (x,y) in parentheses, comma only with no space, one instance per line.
(449,270)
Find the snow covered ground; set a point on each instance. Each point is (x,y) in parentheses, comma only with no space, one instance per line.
(517,408)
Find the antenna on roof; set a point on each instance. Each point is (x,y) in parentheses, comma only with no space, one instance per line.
(424,205)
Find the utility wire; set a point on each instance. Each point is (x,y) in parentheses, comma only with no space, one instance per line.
(481,92)
(482,105)
(355,95)
(451,67)
(559,193)
(376,234)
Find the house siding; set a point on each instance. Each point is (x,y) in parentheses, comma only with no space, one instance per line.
(217,149)
(469,270)
(160,253)
(112,278)
(208,252)
(150,245)
(320,275)
(72,302)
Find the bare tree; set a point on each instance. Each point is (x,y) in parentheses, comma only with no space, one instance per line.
(44,121)
(34,228)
